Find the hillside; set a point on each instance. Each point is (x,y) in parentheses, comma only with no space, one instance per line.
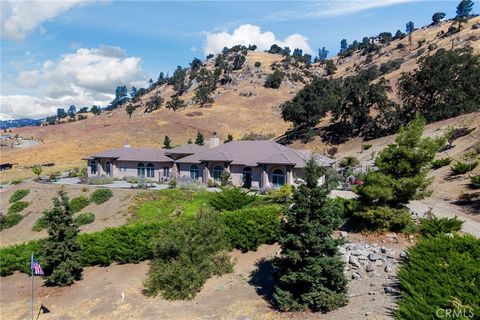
(242,106)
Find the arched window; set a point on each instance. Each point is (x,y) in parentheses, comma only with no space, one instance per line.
(150,171)
(247,177)
(278,178)
(140,170)
(217,173)
(108,168)
(194,172)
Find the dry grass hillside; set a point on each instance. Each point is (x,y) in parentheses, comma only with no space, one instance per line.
(240,107)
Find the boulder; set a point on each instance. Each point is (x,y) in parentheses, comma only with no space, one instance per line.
(374,256)
(354,262)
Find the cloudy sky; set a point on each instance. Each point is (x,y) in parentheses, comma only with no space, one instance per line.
(58,53)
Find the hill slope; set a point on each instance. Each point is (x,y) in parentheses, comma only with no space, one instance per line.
(241,106)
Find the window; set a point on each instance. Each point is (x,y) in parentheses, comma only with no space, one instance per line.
(108,168)
(140,170)
(247,177)
(278,178)
(194,173)
(166,172)
(150,171)
(217,173)
(93,167)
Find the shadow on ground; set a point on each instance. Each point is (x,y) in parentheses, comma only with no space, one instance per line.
(262,279)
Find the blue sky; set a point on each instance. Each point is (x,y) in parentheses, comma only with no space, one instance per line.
(60,53)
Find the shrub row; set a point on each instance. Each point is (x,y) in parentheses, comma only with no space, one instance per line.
(440,273)
(17,207)
(100,196)
(84,218)
(18,195)
(9,220)
(78,203)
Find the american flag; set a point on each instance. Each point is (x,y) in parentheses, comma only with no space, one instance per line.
(35,267)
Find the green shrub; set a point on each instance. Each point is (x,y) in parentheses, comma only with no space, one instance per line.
(16,181)
(18,195)
(100,196)
(250,227)
(383,218)
(349,161)
(463,167)
(274,80)
(186,255)
(78,203)
(39,224)
(475,181)
(84,218)
(17,207)
(440,273)
(434,226)
(442,162)
(231,199)
(365,147)
(281,195)
(9,220)
(257,64)
(17,257)
(100,180)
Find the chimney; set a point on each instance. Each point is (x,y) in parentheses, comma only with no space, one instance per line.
(214,141)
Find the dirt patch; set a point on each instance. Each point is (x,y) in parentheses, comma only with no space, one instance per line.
(112,213)
(232,296)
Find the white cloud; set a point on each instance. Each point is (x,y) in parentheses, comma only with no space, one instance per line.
(332,8)
(85,77)
(20,17)
(250,34)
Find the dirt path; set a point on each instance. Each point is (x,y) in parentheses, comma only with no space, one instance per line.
(238,295)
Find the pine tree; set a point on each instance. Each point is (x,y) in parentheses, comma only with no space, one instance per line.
(310,272)
(410,27)
(199,140)
(60,250)
(229,138)
(167,143)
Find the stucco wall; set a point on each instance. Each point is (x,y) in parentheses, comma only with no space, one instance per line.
(184,170)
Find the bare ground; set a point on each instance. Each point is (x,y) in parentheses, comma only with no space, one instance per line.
(239,295)
(112,213)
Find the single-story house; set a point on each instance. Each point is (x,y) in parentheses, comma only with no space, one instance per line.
(251,164)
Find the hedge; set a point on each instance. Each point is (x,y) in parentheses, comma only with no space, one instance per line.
(440,273)
(248,228)
(8,221)
(18,207)
(18,195)
(101,195)
(78,203)
(84,218)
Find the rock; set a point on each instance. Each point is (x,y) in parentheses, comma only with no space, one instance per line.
(373,274)
(388,268)
(370,267)
(354,262)
(356,276)
(371,293)
(391,254)
(343,234)
(362,258)
(367,313)
(373,256)
(379,263)
(392,235)
(403,255)
(411,237)
(357,253)
(390,290)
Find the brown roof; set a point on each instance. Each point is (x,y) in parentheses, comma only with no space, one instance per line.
(134,154)
(252,153)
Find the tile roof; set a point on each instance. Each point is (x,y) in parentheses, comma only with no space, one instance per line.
(186,149)
(134,154)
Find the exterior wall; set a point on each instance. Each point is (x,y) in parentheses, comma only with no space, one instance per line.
(236,172)
(123,169)
(184,170)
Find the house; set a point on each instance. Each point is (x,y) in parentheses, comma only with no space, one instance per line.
(251,164)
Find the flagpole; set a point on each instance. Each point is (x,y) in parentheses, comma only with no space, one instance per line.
(31,269)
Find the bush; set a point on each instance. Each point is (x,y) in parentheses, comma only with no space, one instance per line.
(257,64)
(84,218)
(463,167)
(441,273)
(349,161)
(18,195)
(100,196)
(78,203)
(186,255)
(365,147)
(16,181)
(100,180)
(383,218)
(442,162)
(281,195)
(475,181)
(17,207)
(434,226)
(231,199)
(248,228)
(9,220)
(186,183)
(274,80)
(39,224)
